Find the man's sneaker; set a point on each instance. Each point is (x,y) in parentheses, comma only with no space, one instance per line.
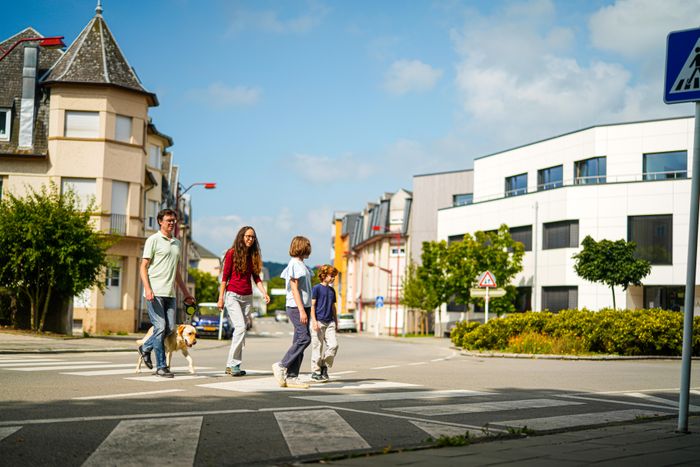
(146,357)
(317,376)
(295,383)
(228,370)
(164,373)
(236,371)
(280,374)
(324,373)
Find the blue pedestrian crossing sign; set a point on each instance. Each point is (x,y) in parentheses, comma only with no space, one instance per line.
(682,83)
(379,302)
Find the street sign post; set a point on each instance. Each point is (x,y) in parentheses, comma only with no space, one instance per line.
(682,84)
(487,280)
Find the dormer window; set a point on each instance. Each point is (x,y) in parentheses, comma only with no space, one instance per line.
(5,119)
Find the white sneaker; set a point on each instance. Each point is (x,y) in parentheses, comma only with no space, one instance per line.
(296,383)
(280,374)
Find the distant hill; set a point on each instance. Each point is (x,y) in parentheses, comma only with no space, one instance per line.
(275,269)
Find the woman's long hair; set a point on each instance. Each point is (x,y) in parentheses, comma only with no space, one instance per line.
(241,253)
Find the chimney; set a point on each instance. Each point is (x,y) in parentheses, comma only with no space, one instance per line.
(26,116)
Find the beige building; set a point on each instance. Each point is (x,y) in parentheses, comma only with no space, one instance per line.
(79,118)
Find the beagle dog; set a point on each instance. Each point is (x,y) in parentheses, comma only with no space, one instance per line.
(183,340)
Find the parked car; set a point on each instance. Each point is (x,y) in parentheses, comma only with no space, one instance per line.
(206,321)
(281,316)
(346,322)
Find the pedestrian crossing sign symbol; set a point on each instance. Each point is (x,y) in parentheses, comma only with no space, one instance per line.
(682,67)
(487,279)
(379,302)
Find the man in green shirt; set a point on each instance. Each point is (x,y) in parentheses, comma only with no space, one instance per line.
(159,274)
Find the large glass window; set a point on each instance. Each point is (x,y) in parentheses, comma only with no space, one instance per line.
(665,297)
(552,177)
(154,156)
(5,119)
(123,129)
(84,189)
(590,171)
(559,298)
(563,234)
(653,236)
(665,165)
(461,200)
(523,299)
(82,124)
(516,185)
(523,235)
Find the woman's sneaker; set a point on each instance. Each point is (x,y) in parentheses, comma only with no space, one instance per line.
(317,376)
(280,374)
(296,383)
(324,374)
(236,371)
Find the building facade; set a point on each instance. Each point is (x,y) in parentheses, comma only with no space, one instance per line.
(621,181)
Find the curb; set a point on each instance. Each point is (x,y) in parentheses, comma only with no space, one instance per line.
(468,353)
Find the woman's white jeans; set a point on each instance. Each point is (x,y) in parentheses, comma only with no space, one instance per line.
(238,307)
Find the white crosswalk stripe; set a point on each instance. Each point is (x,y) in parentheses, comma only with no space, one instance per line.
(391,396)
(5,361)
(451,409)
(270,385)
(660,400)
(574,420)
(44,363)
(73,367)
(6,431)
(170,441)
(318,431)
(435,430)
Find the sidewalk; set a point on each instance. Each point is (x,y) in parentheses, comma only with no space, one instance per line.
(652,443)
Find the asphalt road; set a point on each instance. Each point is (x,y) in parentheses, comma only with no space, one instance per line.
(92,409)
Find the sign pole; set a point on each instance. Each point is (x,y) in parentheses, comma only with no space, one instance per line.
(486,301)
(689,304)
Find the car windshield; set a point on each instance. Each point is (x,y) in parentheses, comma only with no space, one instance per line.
(208,310)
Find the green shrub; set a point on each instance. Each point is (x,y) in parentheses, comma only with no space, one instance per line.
(460,329)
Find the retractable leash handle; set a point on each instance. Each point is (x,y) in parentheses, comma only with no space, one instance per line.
(190,310)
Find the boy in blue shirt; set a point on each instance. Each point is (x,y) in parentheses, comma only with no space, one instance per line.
(324,323)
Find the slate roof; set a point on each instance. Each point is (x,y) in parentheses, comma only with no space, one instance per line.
(95,58)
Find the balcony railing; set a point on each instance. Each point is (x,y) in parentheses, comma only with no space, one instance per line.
(117,224)
(671,175)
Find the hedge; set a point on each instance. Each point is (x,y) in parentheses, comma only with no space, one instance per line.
(621,332)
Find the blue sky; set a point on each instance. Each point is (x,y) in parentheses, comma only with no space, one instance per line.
(301,108)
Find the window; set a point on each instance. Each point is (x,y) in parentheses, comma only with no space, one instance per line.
(123,129)
(552,177)
(516,185)
(151,215)
(559,298)
(666,165)
(154,156)
(665,297)
(590,171)
(523,299)
(82,124)
(398,251)
(463,199)
(523,235)
(653,236)
(455,238)
(84,189)
(562,234)
(5,119)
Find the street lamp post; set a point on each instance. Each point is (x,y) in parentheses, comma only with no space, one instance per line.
(397,236)
(391,273)
(55,42)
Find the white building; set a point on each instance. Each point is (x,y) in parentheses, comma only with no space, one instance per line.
(622,181)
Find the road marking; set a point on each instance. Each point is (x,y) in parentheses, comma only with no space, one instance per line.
(437,410)
(7,431)
(129,394)
(74,367)
(649,397)
(384,367)
(160,379)
(316,431)
(150,442)
(270,385)
(338,373)
(438,359)
(390,396)
(693,391)
(568,421)
(46,363)
(436,431)
(24,360)
(614,401)
(417,363)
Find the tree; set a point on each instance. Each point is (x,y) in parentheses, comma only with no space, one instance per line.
(416,294)
(206,286)
(48,249)
(494,251)
(611,263)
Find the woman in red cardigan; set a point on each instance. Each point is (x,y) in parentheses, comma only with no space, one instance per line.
(242,263)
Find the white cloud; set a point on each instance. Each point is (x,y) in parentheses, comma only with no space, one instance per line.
(406,76)
(320,219)
(271,21)
(324,170)
(221,96)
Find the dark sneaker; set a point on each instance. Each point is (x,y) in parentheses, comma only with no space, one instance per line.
(236,371)
(146,357)
(316,376)
(164,373)
(324,373)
